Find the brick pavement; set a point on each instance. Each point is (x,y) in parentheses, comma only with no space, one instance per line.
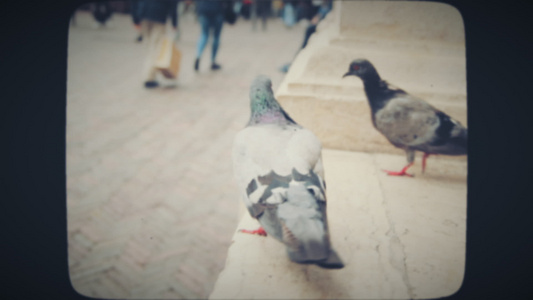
(151,200)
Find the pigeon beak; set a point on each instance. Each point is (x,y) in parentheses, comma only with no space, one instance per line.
(347,74)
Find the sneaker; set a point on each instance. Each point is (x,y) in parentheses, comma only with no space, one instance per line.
(151,84)
(196,64)
(215,66)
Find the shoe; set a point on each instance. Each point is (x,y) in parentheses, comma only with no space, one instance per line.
(151,84)
(285,68)
(215,66)
(196,64)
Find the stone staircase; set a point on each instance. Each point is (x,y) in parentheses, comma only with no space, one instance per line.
(425,58)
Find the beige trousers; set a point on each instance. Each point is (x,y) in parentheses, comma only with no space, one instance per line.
(153,33)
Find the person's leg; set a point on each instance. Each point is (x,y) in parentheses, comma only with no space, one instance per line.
(204,23)
(106,11)
(264,10)
(218,23)
(308,32)
(146,29)
(154,33)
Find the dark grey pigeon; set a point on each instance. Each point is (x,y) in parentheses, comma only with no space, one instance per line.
(278,169)
(408,122)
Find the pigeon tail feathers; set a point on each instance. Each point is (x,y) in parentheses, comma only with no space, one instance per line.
(332,262)
(450,137)
(304,229)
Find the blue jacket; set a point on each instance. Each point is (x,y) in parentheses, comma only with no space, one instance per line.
(159,11)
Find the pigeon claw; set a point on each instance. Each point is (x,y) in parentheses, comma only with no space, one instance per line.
(403,172)
(260,231)
(400,173)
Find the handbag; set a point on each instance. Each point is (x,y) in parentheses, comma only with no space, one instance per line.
(169,58)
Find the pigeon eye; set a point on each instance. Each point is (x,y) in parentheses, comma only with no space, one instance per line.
(356,67)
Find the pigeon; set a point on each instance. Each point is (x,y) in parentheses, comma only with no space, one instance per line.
(278,169)
(408,122)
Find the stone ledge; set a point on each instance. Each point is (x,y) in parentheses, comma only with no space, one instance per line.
(399,237)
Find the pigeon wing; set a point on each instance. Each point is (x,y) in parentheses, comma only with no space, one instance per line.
(264,157)
(409,122)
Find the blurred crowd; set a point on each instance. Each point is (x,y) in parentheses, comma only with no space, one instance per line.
(150,20)
(292,11)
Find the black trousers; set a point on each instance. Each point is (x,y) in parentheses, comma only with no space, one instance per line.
(102,11)
(308,32)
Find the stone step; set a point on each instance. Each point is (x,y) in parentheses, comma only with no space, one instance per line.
(367,40)
(441,74)
(346,124)
(349,92)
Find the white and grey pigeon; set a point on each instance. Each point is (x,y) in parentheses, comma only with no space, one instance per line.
(408,122)
(278,168)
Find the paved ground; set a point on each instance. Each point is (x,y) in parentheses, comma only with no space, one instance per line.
(151,200)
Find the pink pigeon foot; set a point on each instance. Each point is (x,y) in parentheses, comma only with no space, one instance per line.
(260,231)
(402,172)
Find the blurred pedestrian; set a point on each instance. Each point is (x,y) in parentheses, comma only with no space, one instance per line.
(307,9)
(186,6)
(154,15)
(246,9)
(211,19)
(101,13)
(263,9)
(289,14)
(73,18)
(136,10)
(323,10)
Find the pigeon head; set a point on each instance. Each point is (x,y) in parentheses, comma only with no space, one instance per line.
(262,80)
(261,86)
(265,108)
(261,95)
(363,69)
